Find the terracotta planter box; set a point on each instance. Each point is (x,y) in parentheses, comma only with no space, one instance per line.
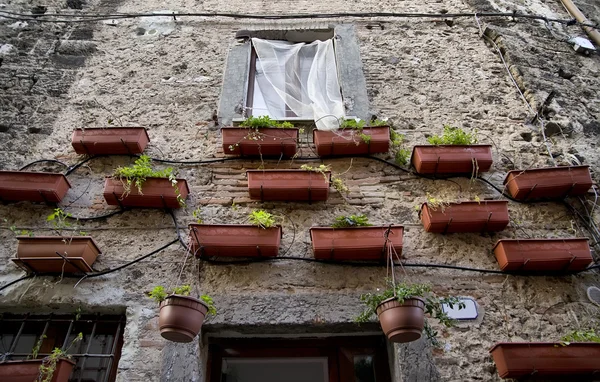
(38,254)
(546,359)
(231,240)
(156,193)
(349,142)
(452,159)
(553,255)
(29,370)
(355,243)
(548,183)
(269,141)
(288,185)
(484,216)
(181,318)
(110,140)
(402,322)
(33,186)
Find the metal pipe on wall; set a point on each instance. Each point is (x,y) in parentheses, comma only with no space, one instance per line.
(576,13)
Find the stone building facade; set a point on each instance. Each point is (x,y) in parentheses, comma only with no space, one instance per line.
(170,75)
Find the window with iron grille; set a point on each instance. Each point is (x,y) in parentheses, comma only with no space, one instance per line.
(96,355)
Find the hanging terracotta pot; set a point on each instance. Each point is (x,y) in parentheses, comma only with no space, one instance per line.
(29,370)
(181,317)
(551,255)
(355,243)
(288,185)
(234,240)
(402,322)
(548,183)
(349,141)
(547,360)
(483,216)
(266,142)
(40,254)
(156,193)
(452,159)
(33,186)
(110,140)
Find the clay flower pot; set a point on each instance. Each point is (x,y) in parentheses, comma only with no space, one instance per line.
(110,140)
(402,322)
(267,142)
(546,359)
(156,193)
(29,370)
(181,317)
(33,186)
(231,240)
(551,255)
(288,185)
(452,159)
(354,243)
(483,216)
(39,254)
(548,183)
(349,142)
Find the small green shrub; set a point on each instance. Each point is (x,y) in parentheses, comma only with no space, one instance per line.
(351,221)
(261,218)
(356,124)
(159,294)
(137,174)
(453,136)
(402,156)
(586,335)
(265,121)
(433,304)
(379,122)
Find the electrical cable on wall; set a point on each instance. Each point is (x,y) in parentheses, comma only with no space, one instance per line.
(87,17)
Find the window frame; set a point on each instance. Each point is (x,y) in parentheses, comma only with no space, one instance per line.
(338,350)
(104,324)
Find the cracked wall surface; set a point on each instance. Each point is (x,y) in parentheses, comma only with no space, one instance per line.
(166,75)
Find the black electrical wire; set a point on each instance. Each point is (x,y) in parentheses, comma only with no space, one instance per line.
(16,281)
(41,161)
(100,17)
(105,272)
(77,165)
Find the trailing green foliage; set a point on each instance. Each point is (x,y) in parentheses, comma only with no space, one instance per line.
(265,121)
(351,221)
(402,292)
(453,136)
(261,218)
(212,310)
(337,182)
(197,214)
(137,174)
(401,154)
(59,219)
(48,366)
(586,335)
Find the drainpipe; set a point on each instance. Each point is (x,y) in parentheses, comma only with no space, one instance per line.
(576,13)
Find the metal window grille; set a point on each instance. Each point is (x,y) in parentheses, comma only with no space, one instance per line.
(96,355)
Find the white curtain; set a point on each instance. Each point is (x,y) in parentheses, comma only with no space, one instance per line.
(302,76)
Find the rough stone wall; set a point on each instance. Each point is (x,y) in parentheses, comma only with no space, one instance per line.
(166,75)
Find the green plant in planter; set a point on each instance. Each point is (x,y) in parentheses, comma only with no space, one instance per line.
(351,221)
(403,291)
(436,203)
(336,181)
(159,294)
(453,136)
(265,121)
(356,124)
(262,219)
(256,123)
(136,175)
(48,366)
(585,335)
